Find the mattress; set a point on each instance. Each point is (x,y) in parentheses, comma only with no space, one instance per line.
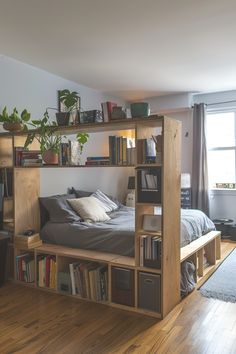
(117,235)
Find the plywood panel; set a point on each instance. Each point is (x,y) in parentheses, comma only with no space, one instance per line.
(6,152)
(171,214)
(26,193)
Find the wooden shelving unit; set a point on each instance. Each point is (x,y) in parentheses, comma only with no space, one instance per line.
(25,211)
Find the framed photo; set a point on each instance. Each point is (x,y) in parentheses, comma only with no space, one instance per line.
(75,114)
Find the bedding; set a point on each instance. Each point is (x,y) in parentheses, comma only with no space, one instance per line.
(117,234)
(89,209)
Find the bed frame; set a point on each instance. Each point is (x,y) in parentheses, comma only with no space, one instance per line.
(22,212)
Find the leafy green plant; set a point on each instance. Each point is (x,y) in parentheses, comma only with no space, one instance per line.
(69,99)
(45,133)
(82,139)
(14,117)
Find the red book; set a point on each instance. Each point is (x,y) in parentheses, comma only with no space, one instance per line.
(110,106)
(47,271)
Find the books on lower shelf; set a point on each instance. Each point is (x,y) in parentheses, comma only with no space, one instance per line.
(27,158)
(149,181)
(150,251)
(25,267)
(97,161)
(149,150)
(47,265)
(89,280)
(121,150)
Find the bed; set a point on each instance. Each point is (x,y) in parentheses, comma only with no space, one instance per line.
(117,234)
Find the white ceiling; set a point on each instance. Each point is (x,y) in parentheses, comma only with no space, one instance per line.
(131,48)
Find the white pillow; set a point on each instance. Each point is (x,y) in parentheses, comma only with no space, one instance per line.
(106,203)
(89,209)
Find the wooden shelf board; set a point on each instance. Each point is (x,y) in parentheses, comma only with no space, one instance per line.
(153,204)
(124,261)
(148,165)
(95,256)
(149,233)
(187,251)
(149,270)
(21,282)
(123,124)
(136,310)
(80,166)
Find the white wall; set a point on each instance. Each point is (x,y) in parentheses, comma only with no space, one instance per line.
(24,86)
(178,107)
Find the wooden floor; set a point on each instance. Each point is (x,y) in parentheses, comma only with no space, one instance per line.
(33,321)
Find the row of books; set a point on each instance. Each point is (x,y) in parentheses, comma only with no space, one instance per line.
(121,150)
(149,150)
(150,251)
(47,271)
(26,158)
(89,280)
(97,161)
(149,181)
(25,267)
(107,108)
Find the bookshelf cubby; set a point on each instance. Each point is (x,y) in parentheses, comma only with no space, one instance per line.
(163,163)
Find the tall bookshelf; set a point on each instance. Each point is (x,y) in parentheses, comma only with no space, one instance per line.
(165,200)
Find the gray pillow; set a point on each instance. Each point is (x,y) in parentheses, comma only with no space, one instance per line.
(58,209)
(83,194)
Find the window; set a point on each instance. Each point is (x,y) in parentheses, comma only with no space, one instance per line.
(221,145)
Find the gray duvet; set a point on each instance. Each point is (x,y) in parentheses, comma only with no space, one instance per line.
(117,235)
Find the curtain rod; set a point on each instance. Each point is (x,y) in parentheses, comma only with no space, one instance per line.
(213,104)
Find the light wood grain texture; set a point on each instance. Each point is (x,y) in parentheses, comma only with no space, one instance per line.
(210,252)
(198,244)
(52,323)
(171,214)
(26,205)
(6,152)
(200,254)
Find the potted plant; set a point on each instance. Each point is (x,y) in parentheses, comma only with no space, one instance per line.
(49,140)
(68,102)
(14,122)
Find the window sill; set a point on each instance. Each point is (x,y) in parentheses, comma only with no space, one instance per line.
(223,191)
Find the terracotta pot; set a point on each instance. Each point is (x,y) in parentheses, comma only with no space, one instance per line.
(63,118)
(13,127)
(50,157)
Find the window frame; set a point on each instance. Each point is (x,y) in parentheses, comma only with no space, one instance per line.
(220,148)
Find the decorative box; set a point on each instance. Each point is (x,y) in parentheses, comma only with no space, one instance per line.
(93,116)
(27,242)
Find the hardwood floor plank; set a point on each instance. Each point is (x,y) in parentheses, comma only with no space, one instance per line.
(33,321)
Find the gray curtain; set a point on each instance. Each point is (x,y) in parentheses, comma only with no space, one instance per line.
(200,195)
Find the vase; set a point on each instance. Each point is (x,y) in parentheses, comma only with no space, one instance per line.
(50,157)
(63,118)
(13,127)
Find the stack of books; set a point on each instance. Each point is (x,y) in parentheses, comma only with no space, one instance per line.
(121,150)
(149,150)
(149,181)
(27,158)
(47,271)
(89,280)
(107,108)
(25,267)
(150,251)
(97,161)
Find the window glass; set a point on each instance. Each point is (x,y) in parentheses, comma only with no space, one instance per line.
(221,167)
(220,130)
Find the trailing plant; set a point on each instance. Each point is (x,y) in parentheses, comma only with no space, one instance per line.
(82,139)
(69,99)
(14,117)
(45,133)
